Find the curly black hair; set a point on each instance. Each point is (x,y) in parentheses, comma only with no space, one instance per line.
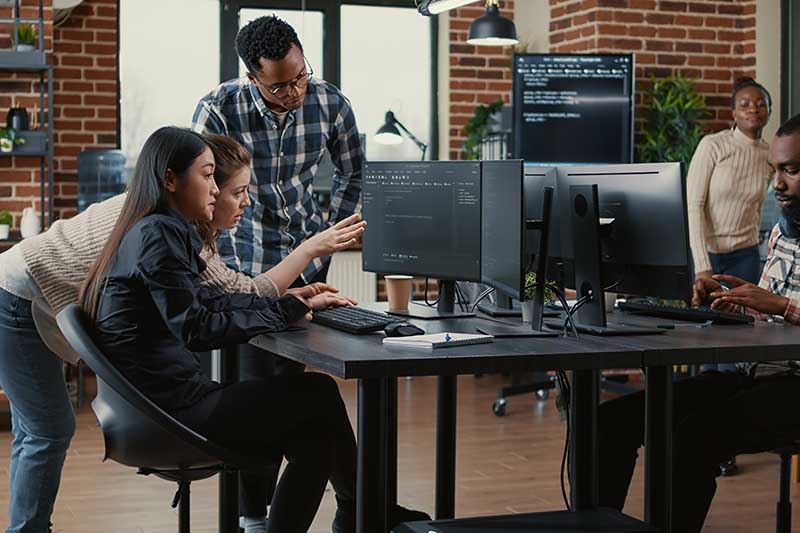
(789,127)
(743,83)
(268,37)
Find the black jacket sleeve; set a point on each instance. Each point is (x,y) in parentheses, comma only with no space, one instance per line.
(169,271)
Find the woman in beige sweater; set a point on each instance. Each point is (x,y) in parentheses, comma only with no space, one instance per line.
(53,265)
(726,185)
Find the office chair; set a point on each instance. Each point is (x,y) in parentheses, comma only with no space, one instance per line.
(140,434)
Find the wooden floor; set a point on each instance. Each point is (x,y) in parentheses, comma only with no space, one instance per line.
(505,465)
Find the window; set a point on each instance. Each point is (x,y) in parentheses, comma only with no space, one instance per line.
(169,59)
(386,65)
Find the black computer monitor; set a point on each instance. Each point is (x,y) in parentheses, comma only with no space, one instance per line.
(424,219)
(573,108)
(503,261)
(632,239)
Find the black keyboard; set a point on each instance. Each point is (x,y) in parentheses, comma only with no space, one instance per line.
(355,320)
(690,314)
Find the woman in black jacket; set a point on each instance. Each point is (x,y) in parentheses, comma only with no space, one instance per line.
(150,314)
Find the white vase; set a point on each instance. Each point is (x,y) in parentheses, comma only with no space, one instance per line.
(4,229)
(24,47)
(527,311)
(30,224)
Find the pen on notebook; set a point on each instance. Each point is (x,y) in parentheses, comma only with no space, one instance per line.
(447,337)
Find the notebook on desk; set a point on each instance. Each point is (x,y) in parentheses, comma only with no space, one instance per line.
(438,340)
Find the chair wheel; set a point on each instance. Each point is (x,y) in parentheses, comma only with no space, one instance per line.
(543,394)
(499,407)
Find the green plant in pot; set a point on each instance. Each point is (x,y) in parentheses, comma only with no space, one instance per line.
(26,38)
(672,132)
(478,128)
(5,224)
(9,138)
(528,295)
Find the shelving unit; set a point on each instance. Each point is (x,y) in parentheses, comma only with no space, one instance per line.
(37,143)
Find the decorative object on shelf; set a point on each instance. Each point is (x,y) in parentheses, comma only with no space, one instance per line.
(389,134)
(26,38)
(492,29)
(30,224)
(478,128)
(18,119)
(8,138)
(5,224)
(530,290)
(672,132)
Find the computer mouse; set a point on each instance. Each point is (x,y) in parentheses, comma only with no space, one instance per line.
(402,329)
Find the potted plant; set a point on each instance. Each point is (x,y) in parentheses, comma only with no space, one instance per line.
(5,224)
(478,128)
(530,291)
(8,138)
(672,131)
(26,38)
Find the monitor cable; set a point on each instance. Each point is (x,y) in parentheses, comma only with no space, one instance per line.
(565,392)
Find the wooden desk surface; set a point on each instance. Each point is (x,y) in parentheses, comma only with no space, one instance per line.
(364,356)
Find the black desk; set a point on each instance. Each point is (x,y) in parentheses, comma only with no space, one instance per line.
(377,368)
(759,342)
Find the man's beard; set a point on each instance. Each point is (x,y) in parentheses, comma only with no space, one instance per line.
(791,212)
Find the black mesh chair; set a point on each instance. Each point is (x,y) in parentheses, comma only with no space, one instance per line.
(140,434)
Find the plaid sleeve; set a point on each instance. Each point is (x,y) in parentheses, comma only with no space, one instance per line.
(764,281)
(347,155)
(206,119)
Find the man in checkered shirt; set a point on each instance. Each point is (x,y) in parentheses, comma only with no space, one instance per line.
(286,119)
(721,414)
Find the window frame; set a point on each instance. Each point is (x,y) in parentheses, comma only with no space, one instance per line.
(331,9)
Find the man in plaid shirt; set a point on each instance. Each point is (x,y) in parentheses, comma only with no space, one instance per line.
(286,119)
(721,414)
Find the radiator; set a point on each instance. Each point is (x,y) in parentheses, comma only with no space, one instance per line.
(346,275)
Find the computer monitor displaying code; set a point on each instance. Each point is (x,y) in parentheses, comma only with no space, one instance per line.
(573,108)
(423,218)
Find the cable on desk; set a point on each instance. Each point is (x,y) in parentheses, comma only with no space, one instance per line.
(481,296)
(580,303)
(429,304)
(565,391)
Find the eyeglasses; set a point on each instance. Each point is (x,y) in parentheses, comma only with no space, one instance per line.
(281,90)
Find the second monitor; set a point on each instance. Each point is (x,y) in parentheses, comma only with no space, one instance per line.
(424,219)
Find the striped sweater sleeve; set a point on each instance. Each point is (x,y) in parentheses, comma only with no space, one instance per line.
(220,279)
(698,180)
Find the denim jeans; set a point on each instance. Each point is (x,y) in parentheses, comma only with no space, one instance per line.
(41,415)
(744,264)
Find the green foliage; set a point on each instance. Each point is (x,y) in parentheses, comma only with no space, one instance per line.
(5,218)
(530,288)
(672,131)
(26,34)
(478,128)
(11,135)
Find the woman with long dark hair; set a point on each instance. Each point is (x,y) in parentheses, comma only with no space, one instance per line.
(149,311)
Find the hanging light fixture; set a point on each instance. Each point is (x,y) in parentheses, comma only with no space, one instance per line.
(434,7)
(492,29)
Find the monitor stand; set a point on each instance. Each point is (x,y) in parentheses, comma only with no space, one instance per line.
(591,317)
(535,329)
(503,308)
(446,308)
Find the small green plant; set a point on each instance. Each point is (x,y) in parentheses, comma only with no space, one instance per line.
(478,128)
(5,218)
(11,135)
(26,34)
(530,288)
(672,130)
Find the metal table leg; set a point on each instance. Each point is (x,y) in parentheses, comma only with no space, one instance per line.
(227,371)
(372,461)
(391,443)
(446,448)
(583,435)
(658,447)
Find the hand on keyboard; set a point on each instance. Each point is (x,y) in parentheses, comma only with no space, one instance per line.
(328,300)
(748,295)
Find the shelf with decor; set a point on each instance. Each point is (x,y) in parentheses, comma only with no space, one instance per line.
(30,134)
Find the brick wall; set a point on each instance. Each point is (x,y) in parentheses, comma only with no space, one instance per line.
(83,52)
(478,74)
(712,42)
